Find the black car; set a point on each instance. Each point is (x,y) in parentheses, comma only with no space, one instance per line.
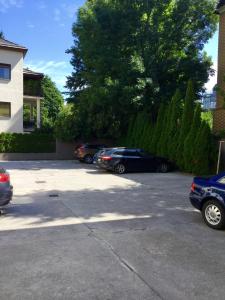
(5,188)
(102,152)
(121,160)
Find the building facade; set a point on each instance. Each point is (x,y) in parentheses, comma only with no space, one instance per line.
(12,82)
(208,101)
(219,113)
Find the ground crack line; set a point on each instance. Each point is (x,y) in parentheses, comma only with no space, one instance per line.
(122,261)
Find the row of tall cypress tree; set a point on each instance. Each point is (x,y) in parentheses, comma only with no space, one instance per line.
(179,134)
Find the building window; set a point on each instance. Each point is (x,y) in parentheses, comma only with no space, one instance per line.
(5,71)
(5,109)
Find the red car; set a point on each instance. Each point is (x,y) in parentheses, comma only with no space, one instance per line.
(85,152)
(6,189)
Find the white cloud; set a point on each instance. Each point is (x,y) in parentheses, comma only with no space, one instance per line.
(212,80)
(57,70)
(7,4)
(30,25)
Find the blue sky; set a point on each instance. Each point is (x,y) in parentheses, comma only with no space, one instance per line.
(44,27)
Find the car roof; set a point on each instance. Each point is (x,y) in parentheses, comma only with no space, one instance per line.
(129,149)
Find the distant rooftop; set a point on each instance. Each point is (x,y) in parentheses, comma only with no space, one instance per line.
(29,73)
(5,44)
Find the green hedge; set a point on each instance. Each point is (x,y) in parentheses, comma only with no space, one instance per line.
(27,143)
(180,134)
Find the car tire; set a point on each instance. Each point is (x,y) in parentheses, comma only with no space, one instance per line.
(120,169)
(213,214)
(163,168)
(88,159)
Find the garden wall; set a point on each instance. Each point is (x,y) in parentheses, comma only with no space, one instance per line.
(63,151)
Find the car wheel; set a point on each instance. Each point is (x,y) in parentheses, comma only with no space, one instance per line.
(88,159)
(214,214)
(120,169)
(163,168)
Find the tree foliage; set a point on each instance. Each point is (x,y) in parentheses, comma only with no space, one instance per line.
(162,138)
(64,124)
(189,143)
(187,119)
(174,125)
(132,55)
(51,104)
(201,150)
(158,129)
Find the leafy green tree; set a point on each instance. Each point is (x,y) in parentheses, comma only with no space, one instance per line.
(64,128)
(129,56)
(208,117)
(189,144)
(51,104)
(201,151)
(187,119)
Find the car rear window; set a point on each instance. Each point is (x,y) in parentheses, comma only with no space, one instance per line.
(125,153)
(109,152)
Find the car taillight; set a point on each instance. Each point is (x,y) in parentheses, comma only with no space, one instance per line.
(81,149)
(4,178)
(106,158)
(193,187)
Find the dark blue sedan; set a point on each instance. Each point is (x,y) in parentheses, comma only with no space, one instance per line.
(208,196)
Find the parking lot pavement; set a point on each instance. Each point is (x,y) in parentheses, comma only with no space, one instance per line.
(75,232)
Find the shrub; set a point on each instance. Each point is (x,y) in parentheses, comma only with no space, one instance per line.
(201,150)
(158,129)
(189,143)
(174,125)
(162,143)
(187,119)
(180,134)
(27,143)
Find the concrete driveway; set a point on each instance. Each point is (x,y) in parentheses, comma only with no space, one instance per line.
(74,232)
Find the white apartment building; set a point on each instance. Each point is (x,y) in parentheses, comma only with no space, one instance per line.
(19,88)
